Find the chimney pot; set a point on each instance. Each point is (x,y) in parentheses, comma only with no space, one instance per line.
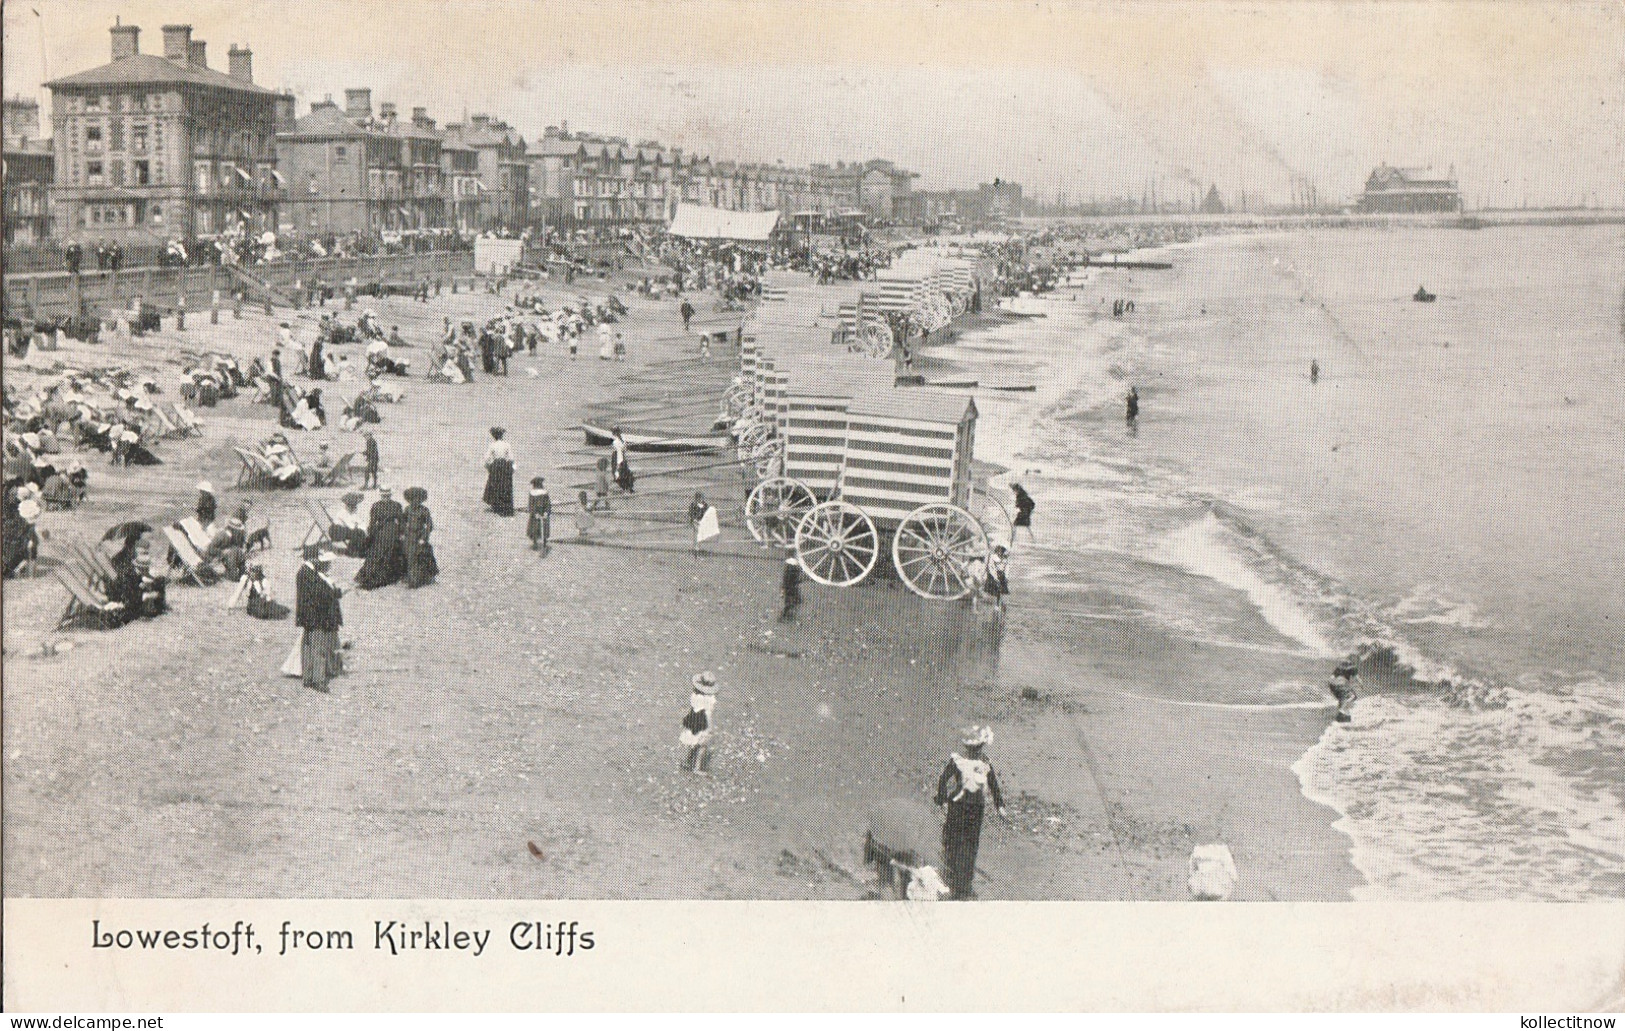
(178,43)
(196,54)
(126,41)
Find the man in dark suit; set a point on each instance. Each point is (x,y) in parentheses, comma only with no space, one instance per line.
(316,610)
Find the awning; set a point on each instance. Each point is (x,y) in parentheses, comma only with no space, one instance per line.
(404,213)
(701,223)
(240,170)
(278,177)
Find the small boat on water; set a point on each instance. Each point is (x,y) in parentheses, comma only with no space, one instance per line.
(599,436)
(1423,296)
(1022,388)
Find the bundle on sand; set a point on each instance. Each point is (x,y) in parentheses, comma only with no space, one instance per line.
(904,842)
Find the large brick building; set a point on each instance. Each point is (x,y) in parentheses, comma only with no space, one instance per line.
(25,175)
(149,148)
(502,183)
(349,171)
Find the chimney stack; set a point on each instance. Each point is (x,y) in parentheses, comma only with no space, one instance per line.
(126,41)
(481,121)
(420,117)
(358,103)
(195,55)
(286,112)
(240,63)
(386,111)
(178,43)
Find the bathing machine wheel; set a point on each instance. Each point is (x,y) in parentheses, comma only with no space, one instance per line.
(837,544)
(937,551)
(774,509)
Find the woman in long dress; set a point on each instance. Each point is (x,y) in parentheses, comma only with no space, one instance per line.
(386,558)
(499,474)
(421,567)
(620,468)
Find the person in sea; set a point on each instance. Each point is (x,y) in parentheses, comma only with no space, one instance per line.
(1131,404)
(963,789)
(1345,687)
(386,554)
(1314,370)
(790,585)
(1024,509)
(696,733)
(418,524)
(499,474)
(540,509)
(319,615)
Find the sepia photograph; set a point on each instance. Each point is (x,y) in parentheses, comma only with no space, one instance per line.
(832,452)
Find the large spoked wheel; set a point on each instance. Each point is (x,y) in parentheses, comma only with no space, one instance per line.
(991,512)
(837,544)
(768,457)
(738,398)
(752,436)
(874,339)
(938,550)
(774,510)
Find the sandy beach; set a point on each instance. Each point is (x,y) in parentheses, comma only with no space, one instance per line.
(511,731)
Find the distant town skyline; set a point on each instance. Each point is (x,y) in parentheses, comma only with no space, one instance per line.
(1525,101)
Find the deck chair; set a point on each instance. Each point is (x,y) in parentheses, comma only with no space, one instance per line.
(167,427)
(99,566)
(187,421)
(85,602)
(339,474)
(195,532)
(321,526)
(250,475)
(191,562)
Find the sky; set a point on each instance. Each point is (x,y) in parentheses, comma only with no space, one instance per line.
(1525,100)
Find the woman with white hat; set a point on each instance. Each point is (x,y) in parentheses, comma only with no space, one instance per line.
(696,735)
(963,788)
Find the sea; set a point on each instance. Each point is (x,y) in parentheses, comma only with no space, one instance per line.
(1447,501)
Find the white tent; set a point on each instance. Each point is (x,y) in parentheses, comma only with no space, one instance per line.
(701,223)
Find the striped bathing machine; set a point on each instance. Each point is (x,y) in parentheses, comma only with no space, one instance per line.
(813,413)
(907,448)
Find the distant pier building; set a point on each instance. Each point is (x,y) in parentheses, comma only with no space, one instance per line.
(1403,191)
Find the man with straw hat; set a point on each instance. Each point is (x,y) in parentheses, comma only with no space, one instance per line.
(963,788)
(696,735)
(317,612)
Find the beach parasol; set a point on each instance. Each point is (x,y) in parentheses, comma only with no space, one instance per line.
(128,531)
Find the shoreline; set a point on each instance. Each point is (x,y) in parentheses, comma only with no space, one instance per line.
(524,700)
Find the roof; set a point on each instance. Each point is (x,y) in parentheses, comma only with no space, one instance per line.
(325,122)
(835,374)
(149,70)
(702,223)
(914,403)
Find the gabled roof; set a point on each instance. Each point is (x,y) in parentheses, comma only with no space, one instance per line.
(918,403)
(152,70)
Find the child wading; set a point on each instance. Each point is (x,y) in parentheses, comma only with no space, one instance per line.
(696,733)
(1345,687)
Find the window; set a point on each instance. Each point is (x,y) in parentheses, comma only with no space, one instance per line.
(339,152)
(138,139)
(313,190)
(93,140)
(93,172)
(93,103)
(204,221)
(140,173)
(202,168)
(157,215)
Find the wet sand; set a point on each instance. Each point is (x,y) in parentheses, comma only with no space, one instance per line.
(526,701)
